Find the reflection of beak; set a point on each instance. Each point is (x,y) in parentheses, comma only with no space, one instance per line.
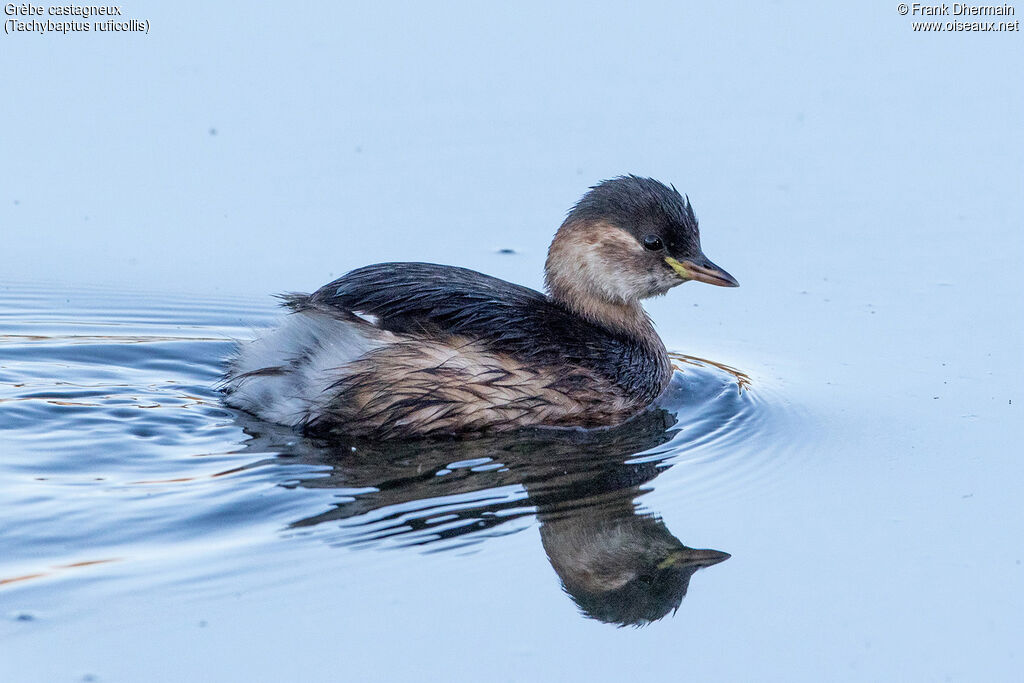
(693,557)
(702,271)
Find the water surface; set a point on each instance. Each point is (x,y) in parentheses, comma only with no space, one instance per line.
(862,182)
(125,477)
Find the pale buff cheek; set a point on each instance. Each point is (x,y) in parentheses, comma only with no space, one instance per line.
(602,277)
(659,282)
(619,269)
(602,263)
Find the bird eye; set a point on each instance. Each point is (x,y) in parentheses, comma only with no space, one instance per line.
(653,242)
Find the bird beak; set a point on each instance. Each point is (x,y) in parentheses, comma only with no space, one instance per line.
(693,557)
(702,270)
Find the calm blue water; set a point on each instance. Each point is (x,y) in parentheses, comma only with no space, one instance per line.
(126,482)
(863,183)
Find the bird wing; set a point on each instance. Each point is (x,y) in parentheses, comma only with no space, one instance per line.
(435,300)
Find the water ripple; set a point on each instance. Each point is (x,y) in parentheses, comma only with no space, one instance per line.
(116,448)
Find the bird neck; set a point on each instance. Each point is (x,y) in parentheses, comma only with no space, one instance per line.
(582,275)
(624,319)
(629,319)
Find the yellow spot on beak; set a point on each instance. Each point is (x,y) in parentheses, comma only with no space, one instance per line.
(675,556)
(680,269)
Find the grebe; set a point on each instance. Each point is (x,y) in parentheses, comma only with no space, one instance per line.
(405,350)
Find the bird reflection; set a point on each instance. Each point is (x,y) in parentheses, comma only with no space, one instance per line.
(618,564)
(625,569)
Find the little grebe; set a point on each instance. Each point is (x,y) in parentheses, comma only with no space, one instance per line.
(399,350)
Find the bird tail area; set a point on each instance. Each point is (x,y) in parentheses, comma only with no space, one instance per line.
(286,375)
